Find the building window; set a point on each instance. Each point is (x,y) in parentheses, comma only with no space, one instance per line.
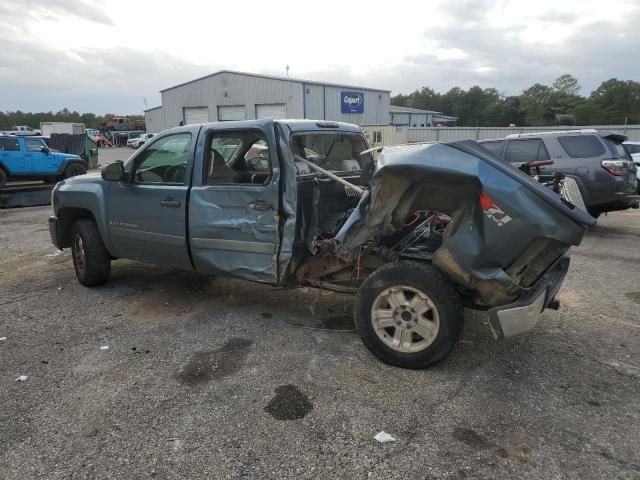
(377,136)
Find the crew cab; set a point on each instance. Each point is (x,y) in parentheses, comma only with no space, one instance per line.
(429,229)
(29,158)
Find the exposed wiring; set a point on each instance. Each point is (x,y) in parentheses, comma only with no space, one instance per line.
(415,219)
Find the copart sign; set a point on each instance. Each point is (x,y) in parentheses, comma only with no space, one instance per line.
(352,102)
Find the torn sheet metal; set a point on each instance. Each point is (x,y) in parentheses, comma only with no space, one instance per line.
(500,216)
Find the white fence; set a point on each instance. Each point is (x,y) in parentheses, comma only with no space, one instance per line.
(450,134)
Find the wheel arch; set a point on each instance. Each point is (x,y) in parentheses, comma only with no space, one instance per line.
(5,168)
(67,216)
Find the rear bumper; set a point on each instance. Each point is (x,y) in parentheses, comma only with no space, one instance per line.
(523,314)
(53,231)
(624,201)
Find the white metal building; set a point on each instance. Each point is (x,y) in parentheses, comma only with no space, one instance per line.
(154,120)
(228,95)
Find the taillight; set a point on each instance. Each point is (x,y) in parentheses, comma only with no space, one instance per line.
(614,167)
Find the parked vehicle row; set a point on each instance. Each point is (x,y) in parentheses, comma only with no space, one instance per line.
(596,160)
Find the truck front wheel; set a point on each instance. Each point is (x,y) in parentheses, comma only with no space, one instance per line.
(408,314)
(3,177)
(91,260)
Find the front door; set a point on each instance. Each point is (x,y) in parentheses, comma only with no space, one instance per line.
(234,202)
(37,157)
(147,214)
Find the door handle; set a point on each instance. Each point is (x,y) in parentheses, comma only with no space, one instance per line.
(260,205)
(169,202)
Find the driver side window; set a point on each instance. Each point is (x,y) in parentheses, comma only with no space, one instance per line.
(240,157)
(165,161)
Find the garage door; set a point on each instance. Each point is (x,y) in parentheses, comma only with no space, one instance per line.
(196,115)
(275,110)
(231,112)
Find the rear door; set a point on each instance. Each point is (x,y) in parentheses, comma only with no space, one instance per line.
(11,157)
(147,215)
(196,115)
(525,150)
(271,110)
(234,202)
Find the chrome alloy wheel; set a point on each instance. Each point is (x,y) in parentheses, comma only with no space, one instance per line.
(405,319)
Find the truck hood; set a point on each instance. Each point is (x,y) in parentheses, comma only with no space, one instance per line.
(506,229)
(79,180)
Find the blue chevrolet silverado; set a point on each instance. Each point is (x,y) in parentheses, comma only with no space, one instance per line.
(29,158)
(427,230)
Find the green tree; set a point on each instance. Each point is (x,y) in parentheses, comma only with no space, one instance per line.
(614,102)
(566,84)
(535,103)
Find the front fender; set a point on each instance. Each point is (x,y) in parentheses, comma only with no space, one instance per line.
(64,162)
(89,196)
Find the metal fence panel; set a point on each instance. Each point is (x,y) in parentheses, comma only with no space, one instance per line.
(449,134)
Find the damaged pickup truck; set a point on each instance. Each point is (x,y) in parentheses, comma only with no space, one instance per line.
(429,229)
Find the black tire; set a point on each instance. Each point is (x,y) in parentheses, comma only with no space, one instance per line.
(74,169)
(91,260)
(594,213)
(3,177)
(448,314)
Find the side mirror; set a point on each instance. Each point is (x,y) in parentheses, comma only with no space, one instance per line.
(44,150)
(114,172)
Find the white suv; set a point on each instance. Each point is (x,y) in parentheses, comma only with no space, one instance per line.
(139,141)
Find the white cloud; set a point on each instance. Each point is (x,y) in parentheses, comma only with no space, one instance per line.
(108,58)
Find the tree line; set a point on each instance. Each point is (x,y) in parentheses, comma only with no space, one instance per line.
(614,102)
(90,120)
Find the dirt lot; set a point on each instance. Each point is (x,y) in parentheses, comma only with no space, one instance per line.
(218,378)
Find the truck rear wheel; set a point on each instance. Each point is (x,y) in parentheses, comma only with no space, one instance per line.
(3,177)
(74,169)
(408,314)
(91,260)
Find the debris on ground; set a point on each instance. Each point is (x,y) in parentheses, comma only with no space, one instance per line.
(21,378)
(104,347)
(2,339)
(384,437)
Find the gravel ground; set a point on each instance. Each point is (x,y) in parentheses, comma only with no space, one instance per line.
(219,378)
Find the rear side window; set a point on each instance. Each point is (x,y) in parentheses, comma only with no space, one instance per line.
(529,150)
(9,145)
(632,148)
(617,149)
(494,147)
(582,146)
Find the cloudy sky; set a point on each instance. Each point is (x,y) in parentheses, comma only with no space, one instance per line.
(116,56)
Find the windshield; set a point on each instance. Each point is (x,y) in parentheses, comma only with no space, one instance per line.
(333,151)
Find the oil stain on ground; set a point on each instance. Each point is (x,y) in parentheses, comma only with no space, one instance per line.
(507,450)
(471,438)
(288,404)
(338,322)
(633,296)
(216,364)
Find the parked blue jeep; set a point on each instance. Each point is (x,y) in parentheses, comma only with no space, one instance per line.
(29,158)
